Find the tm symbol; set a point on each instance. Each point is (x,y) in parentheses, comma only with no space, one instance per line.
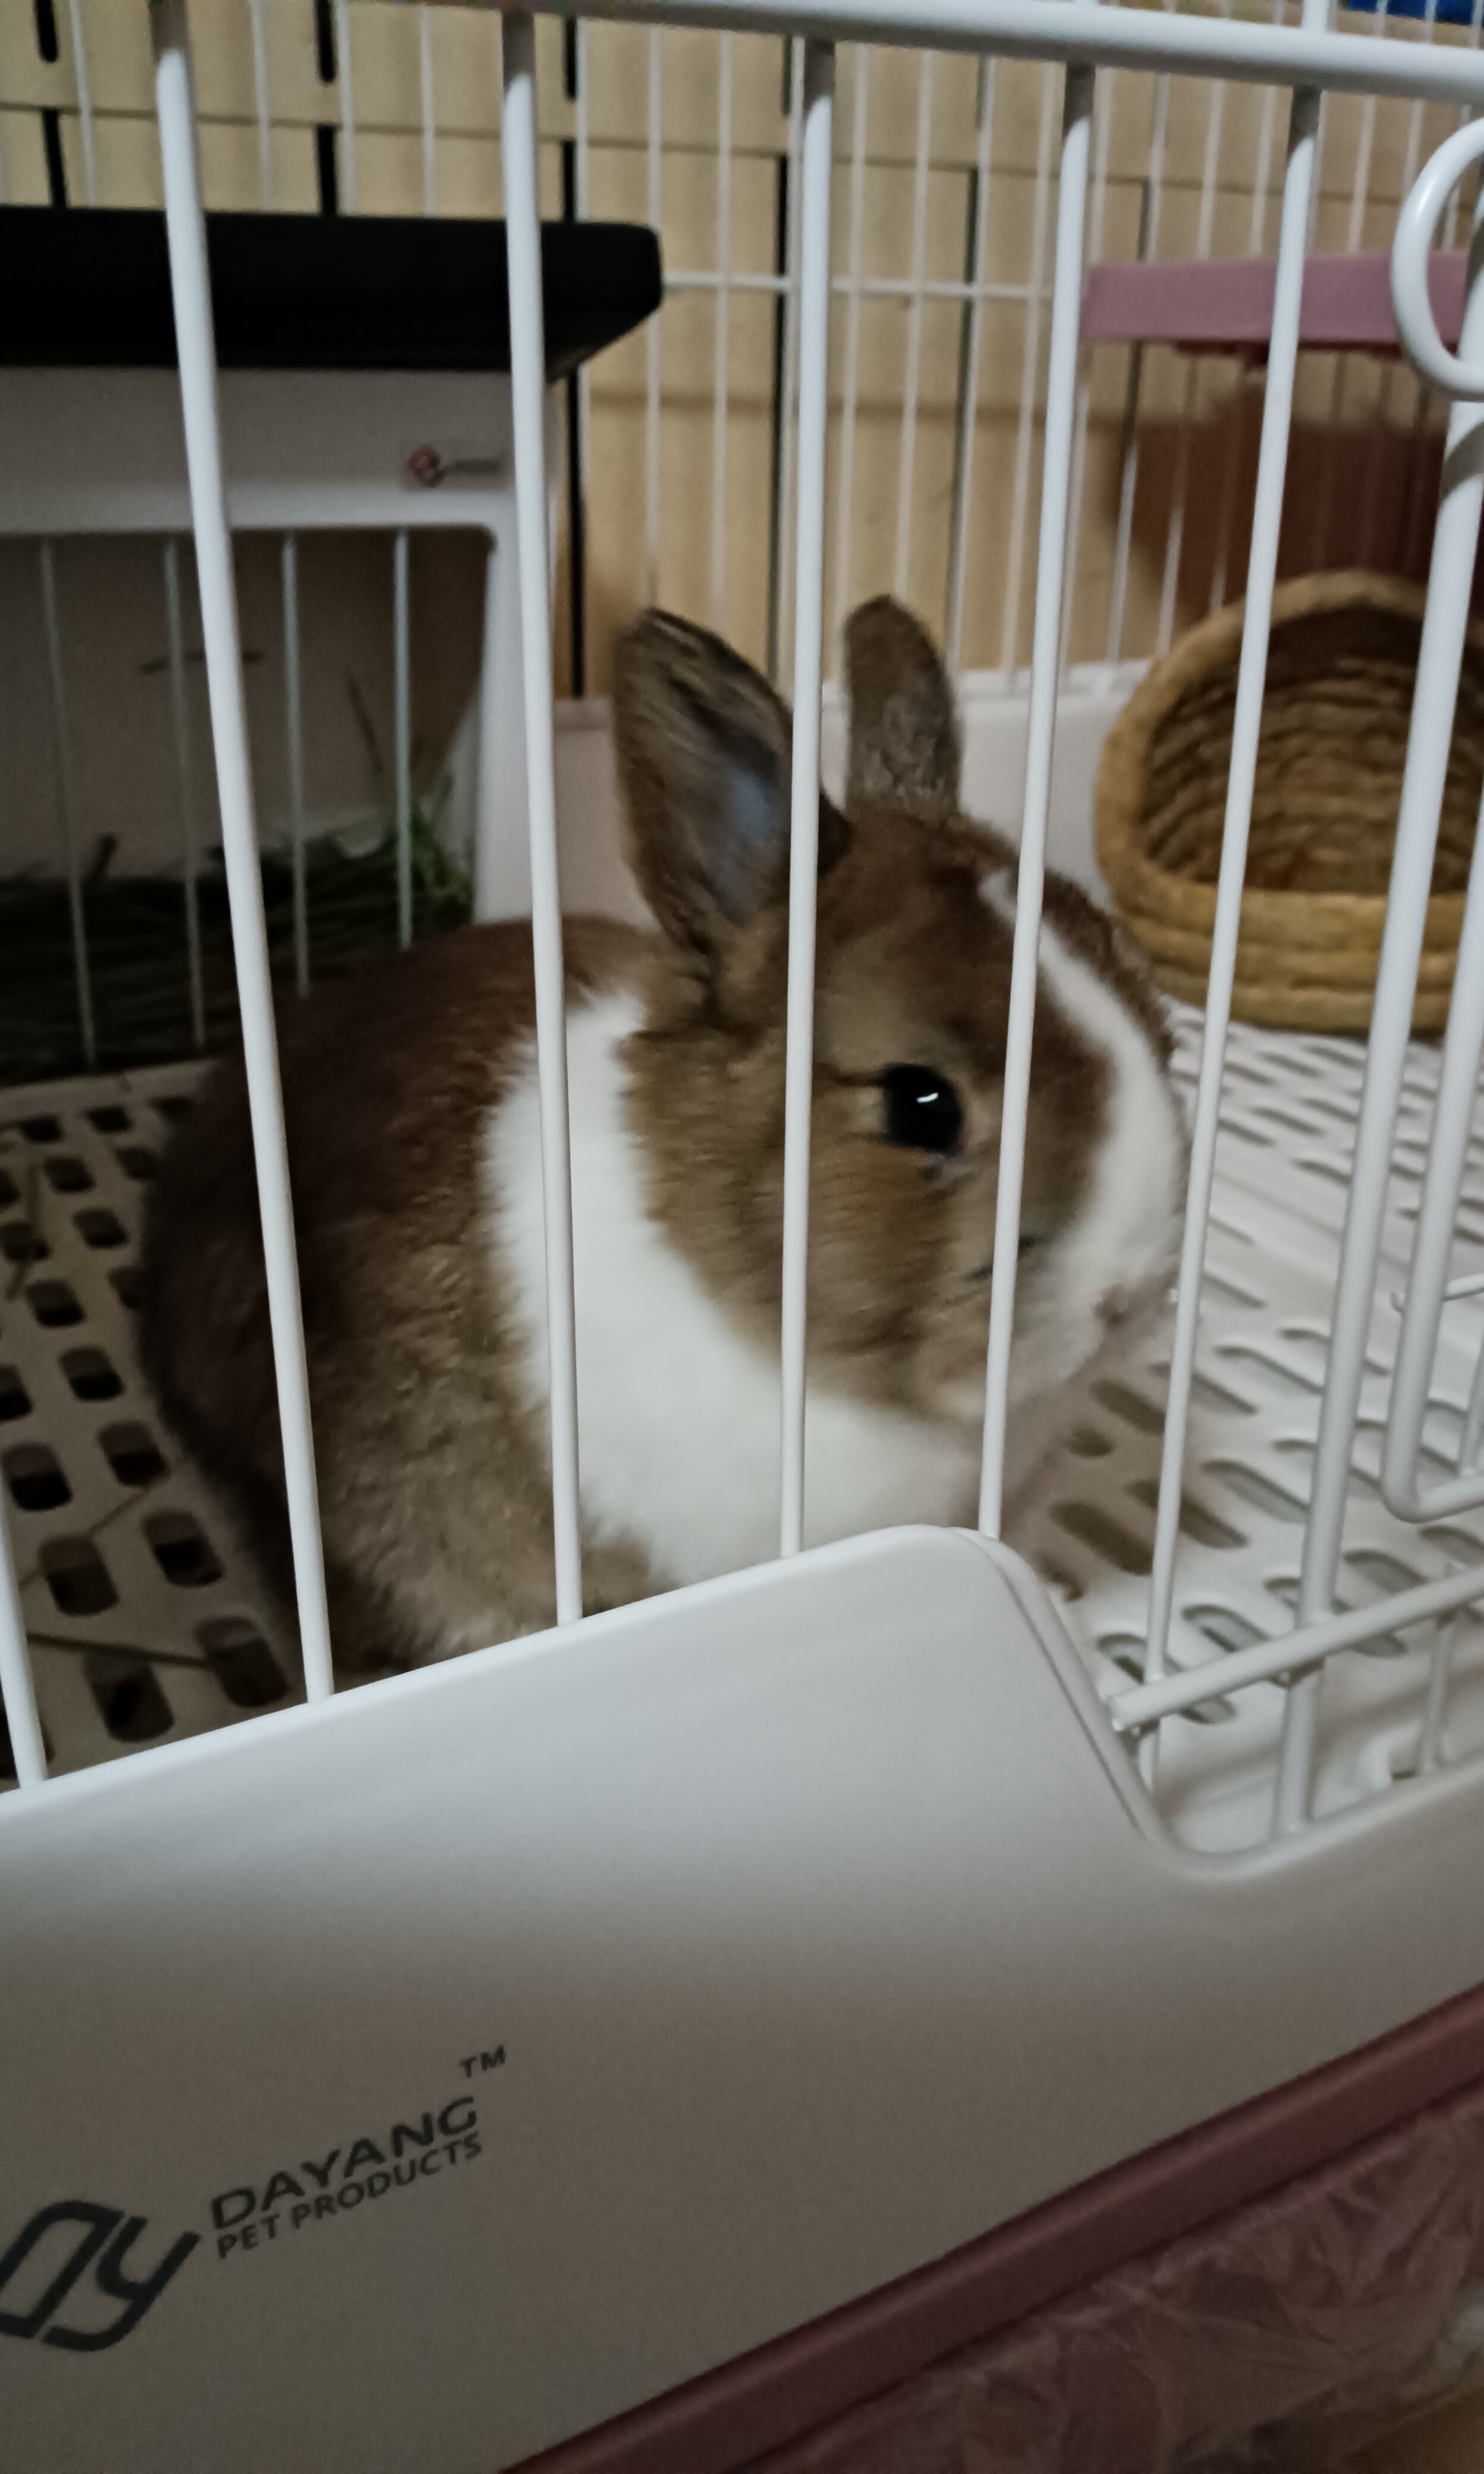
(470,2063)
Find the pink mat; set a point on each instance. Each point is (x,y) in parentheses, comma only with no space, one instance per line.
(1279,2335)
(1226,304)
(1290,2258)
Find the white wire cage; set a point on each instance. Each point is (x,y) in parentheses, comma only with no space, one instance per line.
(945,189)
(1332,1760)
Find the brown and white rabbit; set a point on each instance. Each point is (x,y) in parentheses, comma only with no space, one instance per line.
(414,1138)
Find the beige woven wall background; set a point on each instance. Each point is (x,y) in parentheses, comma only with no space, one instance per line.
(1364,461)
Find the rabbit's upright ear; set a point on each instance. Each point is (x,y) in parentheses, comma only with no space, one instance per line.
(904,741)
(704,754)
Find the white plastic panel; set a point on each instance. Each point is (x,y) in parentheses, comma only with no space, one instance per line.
(815,1937)
(314,447)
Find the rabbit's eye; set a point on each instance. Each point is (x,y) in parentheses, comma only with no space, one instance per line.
(920,1108)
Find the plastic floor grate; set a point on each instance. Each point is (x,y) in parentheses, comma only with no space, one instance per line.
(148,1622)
(145,1620)
(1288,1116)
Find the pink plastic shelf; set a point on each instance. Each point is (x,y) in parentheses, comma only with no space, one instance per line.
(1225,304)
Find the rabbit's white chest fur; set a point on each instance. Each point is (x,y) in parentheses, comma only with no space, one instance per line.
(1124,1237)
(678,1413)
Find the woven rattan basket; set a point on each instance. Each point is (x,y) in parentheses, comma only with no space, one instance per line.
(1338,700)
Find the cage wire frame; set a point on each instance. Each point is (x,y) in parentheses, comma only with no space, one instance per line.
(340,186)
(974,291)
(1084,38)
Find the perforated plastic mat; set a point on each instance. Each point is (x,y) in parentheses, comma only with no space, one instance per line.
(148,1622)
(145,1620)
(1288,1119)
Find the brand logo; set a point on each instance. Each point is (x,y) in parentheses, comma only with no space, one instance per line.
(79,2275)
(310,2189)
(61,2245)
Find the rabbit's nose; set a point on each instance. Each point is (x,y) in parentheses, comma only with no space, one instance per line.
(1115,1306)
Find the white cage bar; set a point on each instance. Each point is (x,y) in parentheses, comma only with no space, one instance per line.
(1030,350)
(401,696)
(347,77)
(1041,725)
(528,383)
(912,377)
(1429,1287)
(723,335)
(262,99)
(818,107)
(294,754)
(1246,725)
(964,452)
(1439,664)
(66,803)
(850,366)
(1310,54)
(190,285)
(185,784)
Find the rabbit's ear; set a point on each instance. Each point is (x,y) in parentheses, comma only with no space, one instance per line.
(704,753)
(904,741)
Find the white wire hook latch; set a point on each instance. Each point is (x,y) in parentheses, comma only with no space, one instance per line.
(1411,253)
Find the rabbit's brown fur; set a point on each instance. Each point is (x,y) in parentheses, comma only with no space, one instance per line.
(415,1176)
(431,1476)
(897,1245)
